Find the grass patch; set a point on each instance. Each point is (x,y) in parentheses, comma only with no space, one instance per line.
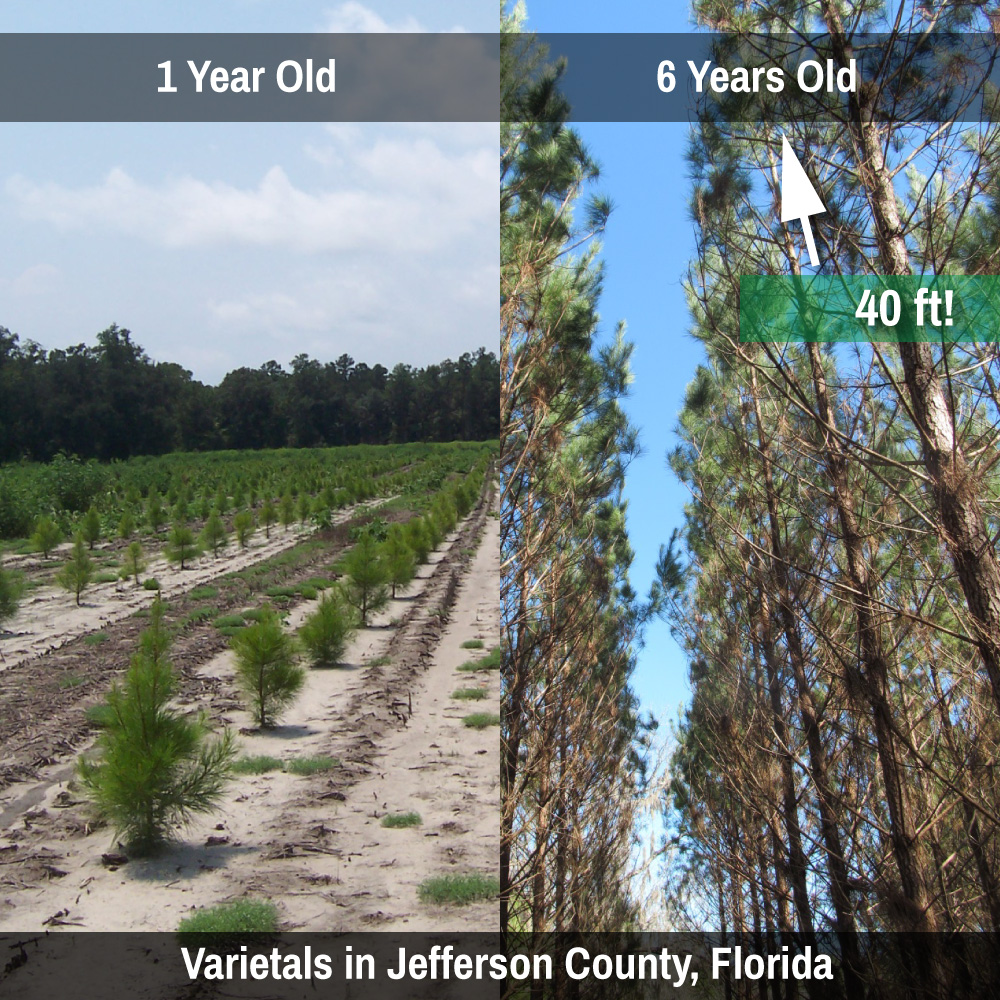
(106,578)
(151,584)
(308,593)
(469,694)
(254,614)
(458,890)
(481,720)
(245,916)
(20,547)
(473,644)
(311,765)
(317,583)
(230,630)
(491,661)
(228,621)
(70,681)
(95,638)
(400,821)
(99,715)
(256,765)
(280,591)
(199,615)
(253,575)
(204,593)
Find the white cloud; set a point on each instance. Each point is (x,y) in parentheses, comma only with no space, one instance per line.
(373,313)
(270,311)
(399,195)
(354,17)
(39,279)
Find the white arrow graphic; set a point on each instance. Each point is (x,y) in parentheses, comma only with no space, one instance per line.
(799,199)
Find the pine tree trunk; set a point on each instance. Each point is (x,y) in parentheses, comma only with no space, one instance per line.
(875,662)
(790,805)
(836,866)
(962,524)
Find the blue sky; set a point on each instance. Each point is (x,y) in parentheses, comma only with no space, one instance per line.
(647,247)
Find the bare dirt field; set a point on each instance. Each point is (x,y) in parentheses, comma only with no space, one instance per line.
(314,845)
(50,617)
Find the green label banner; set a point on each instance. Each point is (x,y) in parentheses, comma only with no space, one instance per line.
(869,308)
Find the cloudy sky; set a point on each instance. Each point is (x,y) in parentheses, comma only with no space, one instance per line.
(222,245)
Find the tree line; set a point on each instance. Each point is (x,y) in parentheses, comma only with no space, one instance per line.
(836,769)
(111,401)
(572,742)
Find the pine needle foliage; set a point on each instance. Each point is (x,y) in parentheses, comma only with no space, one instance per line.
(304,508)
(243,526)
(266,670)
(46,535)
(367,588)
(572,748)
(268,516)
(156,516)
(90,528)
(183,545)
(134,562)
(327,631)
(418,539)
(126,525)
(400,562)
(213,535)
(155,768)
(286,511)
(79,571)
(11,591)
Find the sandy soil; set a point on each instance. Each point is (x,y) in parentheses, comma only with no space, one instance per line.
(49,618)
(313,845)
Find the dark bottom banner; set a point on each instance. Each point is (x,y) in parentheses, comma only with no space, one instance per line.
(93,966)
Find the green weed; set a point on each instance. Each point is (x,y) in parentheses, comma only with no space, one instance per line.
(399,821)
(457,889)
(469,694)
(256,765)
(311,765)
(481,720)
(244,916)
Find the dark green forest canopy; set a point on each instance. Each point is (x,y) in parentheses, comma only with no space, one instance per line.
(110,400)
